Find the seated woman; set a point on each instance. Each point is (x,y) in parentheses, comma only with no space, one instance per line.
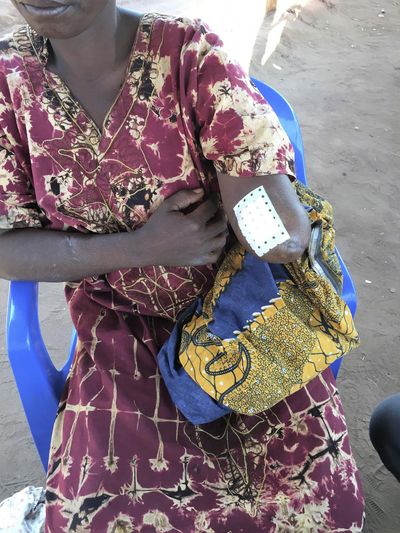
(384,431)
(119,135)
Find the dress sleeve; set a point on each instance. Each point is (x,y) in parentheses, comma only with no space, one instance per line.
(18,206)
(235,127)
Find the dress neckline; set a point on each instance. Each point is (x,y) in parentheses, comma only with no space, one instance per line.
(64,94)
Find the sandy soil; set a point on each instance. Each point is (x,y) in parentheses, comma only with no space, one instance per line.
(339,66)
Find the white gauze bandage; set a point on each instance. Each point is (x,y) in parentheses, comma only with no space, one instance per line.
(259,222)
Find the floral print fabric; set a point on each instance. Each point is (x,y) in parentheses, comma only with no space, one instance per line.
(122,457)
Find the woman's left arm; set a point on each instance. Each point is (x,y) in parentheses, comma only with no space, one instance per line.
(237,130)
(287,205)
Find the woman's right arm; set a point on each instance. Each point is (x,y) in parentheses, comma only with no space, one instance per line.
(40,255)
(28,252)
(169,238)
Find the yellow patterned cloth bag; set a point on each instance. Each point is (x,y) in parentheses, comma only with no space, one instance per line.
(264,331)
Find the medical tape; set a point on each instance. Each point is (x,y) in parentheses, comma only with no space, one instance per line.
(259,222)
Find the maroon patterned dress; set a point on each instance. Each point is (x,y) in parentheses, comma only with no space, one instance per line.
(122,458)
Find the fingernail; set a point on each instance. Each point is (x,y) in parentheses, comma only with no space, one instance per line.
(197,191)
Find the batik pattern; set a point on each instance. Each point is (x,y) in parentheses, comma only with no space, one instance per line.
(122,458)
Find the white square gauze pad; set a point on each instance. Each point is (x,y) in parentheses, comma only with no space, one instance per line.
(259,222)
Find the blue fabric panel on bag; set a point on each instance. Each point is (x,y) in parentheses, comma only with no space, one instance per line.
(248,291)
(195,404)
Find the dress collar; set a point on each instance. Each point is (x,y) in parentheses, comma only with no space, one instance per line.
(40,45)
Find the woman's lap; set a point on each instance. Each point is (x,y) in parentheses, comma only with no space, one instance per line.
(123,455)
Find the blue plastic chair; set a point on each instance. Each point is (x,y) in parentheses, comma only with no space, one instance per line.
(39,383)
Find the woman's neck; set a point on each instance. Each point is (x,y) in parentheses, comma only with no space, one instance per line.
(101,48)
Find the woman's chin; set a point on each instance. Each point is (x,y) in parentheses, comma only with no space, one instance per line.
(53,19)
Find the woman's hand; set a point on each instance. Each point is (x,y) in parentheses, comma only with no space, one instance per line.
(169,238)
(173,238)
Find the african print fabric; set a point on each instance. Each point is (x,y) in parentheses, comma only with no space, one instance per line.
(122,458)
(260,336)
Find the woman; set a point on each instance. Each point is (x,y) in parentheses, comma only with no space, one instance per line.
(112,122)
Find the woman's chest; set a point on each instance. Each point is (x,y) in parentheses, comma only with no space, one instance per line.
(111,179)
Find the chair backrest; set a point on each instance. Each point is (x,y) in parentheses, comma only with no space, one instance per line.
(290,124)
(39,383)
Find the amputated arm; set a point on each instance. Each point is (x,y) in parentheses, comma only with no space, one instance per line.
(284,199)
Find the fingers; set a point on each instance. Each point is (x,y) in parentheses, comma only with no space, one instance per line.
(182,199)
(217,246)
(206,210)
(219,241)
(217,226)
(204,229)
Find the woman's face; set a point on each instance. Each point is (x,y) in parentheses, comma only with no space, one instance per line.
(60,19)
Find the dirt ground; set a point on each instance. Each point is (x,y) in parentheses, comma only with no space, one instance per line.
(338,63)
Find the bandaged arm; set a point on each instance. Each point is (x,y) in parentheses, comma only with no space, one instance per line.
(290,223)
